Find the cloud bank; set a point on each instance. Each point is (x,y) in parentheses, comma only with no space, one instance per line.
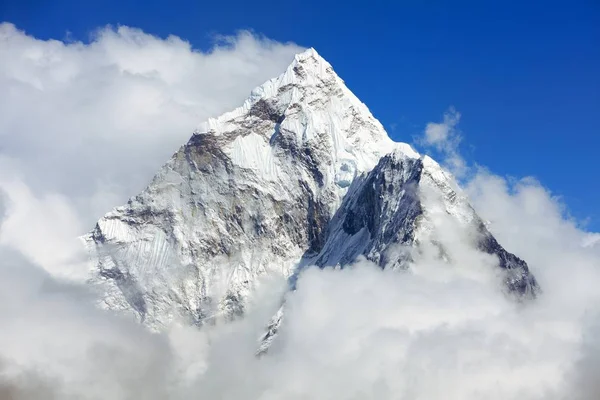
(85,125)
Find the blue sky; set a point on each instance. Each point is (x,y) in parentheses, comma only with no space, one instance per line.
(526,78)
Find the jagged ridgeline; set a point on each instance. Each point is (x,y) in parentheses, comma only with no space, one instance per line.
(300,174)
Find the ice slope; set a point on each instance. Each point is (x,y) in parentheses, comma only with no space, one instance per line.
(285,180)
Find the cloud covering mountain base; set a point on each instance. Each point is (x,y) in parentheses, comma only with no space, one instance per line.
(438,331)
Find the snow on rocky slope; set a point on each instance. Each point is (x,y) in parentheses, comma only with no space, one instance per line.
(300,174)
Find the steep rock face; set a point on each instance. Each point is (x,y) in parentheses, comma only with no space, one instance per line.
(379,212)
(399,206)
(404,207)
(300,174)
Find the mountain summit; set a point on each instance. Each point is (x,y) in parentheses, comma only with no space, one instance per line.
(301,174)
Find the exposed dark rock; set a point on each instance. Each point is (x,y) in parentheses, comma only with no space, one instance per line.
(265,111)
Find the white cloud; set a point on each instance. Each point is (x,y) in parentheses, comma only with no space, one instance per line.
(592,239)
(55,344)
(445,138)
(443,134)
(44,228)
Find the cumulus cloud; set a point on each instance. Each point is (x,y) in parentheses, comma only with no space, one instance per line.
(85,125)
(44,228)
(445,138)
(592,239)
(443,134)
(55,343)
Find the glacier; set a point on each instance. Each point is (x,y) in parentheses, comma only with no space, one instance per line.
(301,174)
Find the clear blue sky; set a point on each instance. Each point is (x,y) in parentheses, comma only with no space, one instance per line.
(526,78)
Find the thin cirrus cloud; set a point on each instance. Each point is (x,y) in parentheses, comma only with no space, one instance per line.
(84,126)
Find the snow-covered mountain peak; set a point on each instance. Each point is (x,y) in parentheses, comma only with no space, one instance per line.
(310,65)
(307,71)
(310,107)
(310,53)
(300,173)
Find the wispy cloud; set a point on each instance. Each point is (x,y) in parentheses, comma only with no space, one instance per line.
(445,138)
